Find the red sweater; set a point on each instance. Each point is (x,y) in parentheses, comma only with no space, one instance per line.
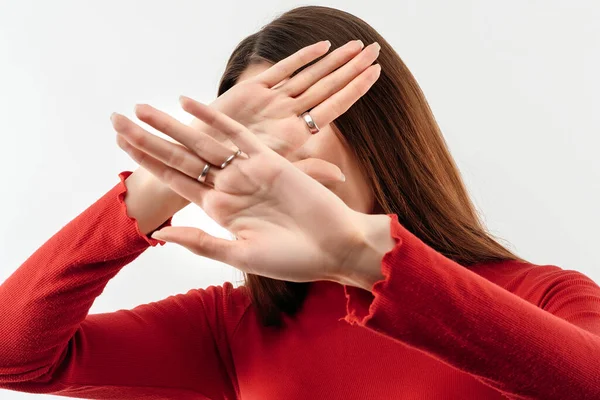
(432,329)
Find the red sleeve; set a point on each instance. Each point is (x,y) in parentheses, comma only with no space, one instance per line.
(177,347)
(427,301)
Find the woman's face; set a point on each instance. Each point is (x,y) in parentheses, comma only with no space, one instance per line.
(356,191)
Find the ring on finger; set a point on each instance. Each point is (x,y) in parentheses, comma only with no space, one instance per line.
(202,177)
(312,125)
(204,173)
(230,158)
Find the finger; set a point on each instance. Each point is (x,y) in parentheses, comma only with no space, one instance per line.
(196,124)
(179,182)
(236,132)
(340,102)
(320,170)
(201,243)
(198,143)
(286,67)
(337,80)
(171,154)
(311,75)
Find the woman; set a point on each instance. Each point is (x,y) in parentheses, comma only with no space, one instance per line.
(379,285)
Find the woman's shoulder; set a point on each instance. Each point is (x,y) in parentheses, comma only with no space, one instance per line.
(222,306)
(227,297)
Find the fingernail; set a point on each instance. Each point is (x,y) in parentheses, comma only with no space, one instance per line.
(361,43)
(328,43)
(343,177)
(377,45)
(112,115)
(157,235)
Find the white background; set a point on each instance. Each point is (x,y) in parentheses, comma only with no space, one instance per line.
(514,86)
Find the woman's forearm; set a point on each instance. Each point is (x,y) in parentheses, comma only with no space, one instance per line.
(149,201)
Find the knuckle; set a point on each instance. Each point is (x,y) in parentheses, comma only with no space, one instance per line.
(165,174)
(329,87)
(136,137)
(356,68)
(351,48)
(164,125)
(200,238)
(168,175)
(122,142)
(357,90)
(311,75)
(200,143)
(176,158)
(141,158)
(307,56)
(337,107)
(211,118)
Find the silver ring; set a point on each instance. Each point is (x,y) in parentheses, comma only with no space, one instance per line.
(311,123)
(231,157)
(202,176)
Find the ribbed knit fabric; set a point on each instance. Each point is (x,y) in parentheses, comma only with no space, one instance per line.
(432,329)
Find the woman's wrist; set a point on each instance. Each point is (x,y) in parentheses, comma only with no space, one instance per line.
(363,268)
(149,201)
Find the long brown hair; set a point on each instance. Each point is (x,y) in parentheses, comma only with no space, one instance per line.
(397,143)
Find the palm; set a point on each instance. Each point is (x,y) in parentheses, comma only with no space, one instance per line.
(281,232)
(268,113)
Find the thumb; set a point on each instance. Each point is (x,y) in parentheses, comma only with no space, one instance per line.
(199,242)
(320,170)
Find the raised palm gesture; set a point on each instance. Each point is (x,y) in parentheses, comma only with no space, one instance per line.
(288,226)
(269,104)
(277,212)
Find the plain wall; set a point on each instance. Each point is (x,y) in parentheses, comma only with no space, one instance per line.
(514,86)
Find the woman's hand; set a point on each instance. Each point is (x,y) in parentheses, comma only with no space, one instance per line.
(288,226)
(269,103)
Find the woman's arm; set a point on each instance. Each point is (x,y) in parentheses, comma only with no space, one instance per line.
(149,201)
(174,348)
(535,336)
